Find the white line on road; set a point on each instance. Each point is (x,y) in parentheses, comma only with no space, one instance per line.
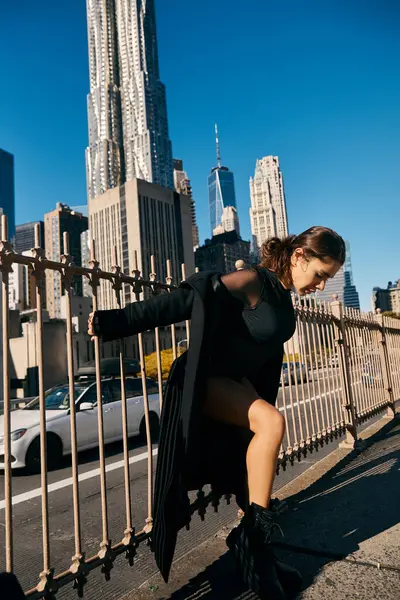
(308,400)
(59,485)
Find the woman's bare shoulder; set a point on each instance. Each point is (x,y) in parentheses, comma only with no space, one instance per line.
(244,284)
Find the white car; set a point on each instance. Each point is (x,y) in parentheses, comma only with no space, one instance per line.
(25,422)
(298,368)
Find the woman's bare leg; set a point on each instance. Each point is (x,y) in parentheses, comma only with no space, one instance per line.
(239,404)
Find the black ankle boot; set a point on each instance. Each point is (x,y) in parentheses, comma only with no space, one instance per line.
(250,545)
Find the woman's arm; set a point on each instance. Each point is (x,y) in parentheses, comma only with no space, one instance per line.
(137,317)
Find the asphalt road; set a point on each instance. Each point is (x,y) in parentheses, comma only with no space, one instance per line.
(27,508)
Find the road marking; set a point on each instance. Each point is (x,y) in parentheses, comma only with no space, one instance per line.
(308,400)
(63,483)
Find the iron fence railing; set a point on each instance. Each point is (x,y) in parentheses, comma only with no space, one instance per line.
(340,368)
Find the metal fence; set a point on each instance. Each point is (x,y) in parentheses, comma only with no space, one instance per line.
(340,368)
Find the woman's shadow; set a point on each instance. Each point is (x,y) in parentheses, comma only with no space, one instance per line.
(353,502)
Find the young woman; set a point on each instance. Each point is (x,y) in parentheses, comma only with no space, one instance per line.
(219,425)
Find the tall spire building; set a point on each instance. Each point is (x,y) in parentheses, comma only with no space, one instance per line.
(221,189)
(127,109)
(268,215)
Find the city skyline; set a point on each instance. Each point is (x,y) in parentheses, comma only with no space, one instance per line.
(328,143)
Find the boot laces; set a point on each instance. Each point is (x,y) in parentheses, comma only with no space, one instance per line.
(269,525)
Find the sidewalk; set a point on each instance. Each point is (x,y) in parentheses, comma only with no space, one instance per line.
(342,522)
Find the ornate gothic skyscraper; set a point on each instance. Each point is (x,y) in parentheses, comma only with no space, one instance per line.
(127,109)
(268,215)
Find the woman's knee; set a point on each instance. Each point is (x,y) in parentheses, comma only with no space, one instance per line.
(265,418)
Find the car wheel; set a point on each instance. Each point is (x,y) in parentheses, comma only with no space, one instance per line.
(154,428)
(54,454)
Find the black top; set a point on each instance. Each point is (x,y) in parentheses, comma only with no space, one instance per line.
(246,337)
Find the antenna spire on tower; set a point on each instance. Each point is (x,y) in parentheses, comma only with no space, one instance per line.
(217,145)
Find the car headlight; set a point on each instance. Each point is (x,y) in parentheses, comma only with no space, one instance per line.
(18,434)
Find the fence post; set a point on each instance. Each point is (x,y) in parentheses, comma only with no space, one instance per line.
(383,353)
(342,346)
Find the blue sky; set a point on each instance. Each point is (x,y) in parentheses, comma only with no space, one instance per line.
(316,83)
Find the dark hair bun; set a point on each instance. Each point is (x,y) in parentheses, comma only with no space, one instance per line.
(274,247)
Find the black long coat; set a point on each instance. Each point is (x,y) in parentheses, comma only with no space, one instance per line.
(193,451)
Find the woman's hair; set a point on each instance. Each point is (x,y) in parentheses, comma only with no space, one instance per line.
(316,242)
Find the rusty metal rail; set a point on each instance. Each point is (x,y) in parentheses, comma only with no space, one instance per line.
(341,367)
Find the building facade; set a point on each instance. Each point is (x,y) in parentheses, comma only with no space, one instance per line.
(127,108)
(229,221)
(22,288)
(268,214)
(333,287)
(7,190)
(56,223)
(350,293)
(387,300)
(221,253)
(85,257)
(17,291)
(183,186)
(25,236)
(143,219)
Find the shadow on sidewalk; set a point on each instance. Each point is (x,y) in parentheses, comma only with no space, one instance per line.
(355,501)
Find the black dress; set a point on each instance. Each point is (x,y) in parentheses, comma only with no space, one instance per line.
(246,337)
(227,339)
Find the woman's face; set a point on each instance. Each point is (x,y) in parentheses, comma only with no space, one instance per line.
(309,275)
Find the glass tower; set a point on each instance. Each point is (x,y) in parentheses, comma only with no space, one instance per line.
(221,190)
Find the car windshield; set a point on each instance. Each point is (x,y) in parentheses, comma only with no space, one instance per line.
(57,398)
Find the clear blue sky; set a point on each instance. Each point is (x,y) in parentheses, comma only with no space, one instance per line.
(314,82)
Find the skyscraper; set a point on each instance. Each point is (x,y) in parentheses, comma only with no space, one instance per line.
(56,222)
(268,215)
(350,294)
(25,236)
(183,186)
(7,194)
(127,109)
(221,189)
